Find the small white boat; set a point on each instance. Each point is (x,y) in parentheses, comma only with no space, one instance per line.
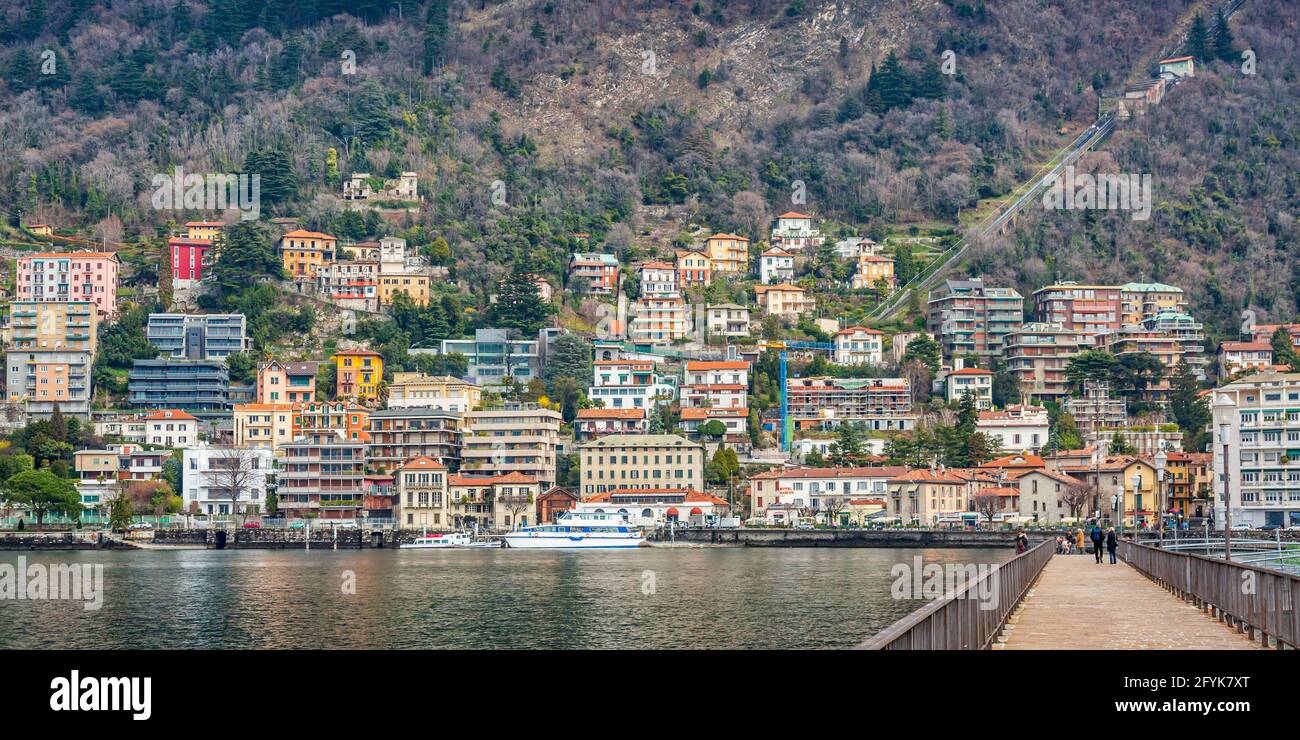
(439,541)
(578,531)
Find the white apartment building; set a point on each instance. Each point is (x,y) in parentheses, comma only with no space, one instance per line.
(1017,428)
(518,439)
(972,380)
(1257,424)
(795,231)
(658,278)
(171,428)
(642,461)
(716,384)
(775,266)
(858,345)
(727,320)
(215,479)
(628,384)
(810,488)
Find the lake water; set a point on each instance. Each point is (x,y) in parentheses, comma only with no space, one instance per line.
(401,599)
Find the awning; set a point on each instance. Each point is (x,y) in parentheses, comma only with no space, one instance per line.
(696,511)
(671,512)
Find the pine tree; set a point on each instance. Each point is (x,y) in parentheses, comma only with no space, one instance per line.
(518,306)
(435,36)
(1223,38)
(1198,39)
(1283,350)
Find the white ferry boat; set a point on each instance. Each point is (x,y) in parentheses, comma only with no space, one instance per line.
(577,530)
(439,541)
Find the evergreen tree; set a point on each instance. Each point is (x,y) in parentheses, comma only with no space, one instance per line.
(277,181)
(21,72)
(1198,39)
(890,87)
(85,96)
(247,257)
(518,306)
(924,349)
(1283,350)
(435,35)
(1190,410)
(1223,38)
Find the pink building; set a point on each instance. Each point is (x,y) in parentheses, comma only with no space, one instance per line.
(59,277)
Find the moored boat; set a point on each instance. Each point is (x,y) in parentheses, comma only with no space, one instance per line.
(573,530)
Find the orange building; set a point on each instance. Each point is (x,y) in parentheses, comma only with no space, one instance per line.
(304,251)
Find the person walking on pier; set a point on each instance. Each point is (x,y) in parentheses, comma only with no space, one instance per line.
(1022,542)
(1098,538)
(1111,544)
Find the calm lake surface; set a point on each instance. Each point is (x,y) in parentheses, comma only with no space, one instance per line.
(698,598)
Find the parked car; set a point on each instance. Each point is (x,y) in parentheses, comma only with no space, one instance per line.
(1241,527)
(1269,527)
(252,525)
(139,526)
(347,525)
(298,524)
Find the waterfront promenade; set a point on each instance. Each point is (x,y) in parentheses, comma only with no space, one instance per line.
(1077,604)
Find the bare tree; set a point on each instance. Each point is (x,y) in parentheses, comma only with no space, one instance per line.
(232,472)
(831,507)
(987,503)
(1075,497)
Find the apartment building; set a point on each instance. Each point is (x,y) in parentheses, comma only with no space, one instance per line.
(191,258)
(50,356)
(188,385)
(413,283)
(398,435)
(417,390)
(357,374)
(1037,355)
(1235,357)
(924,496)
(345,418)
(1141,301)
(967,316)
(595,273)
(498,503)
(878,404)
(784,300)
(1257,427)
(727,252)
(1096,409)
(263,426)
(35,326)
(520,438)
(727,320)
(208,231)
(715,384)
(1083,309)
(350,284)
(1042,495)
(658,278)
(303,252)
(874,271)
(794,231)
(621,461)
(322,475)
(59,277)
(422,495)
(659,319)
(495,355)
(628,384)
(858,345)
(978,383)
(198,336)
(694,268)
(286,382)
(593,423)
(1016,428)
(775,266)
(734,419)
(171,428)
(225,480)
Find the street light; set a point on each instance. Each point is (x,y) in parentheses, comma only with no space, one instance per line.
(1225,438)
(1137,491)
(1161,459)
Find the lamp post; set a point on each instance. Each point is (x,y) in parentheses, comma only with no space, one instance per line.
(1137,491)
(1161,459)
(1225,437)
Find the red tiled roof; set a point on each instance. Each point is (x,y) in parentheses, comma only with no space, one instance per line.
(422,462)
(717,365)
(971,371)
(468,480)
(693,414)
(171,414)
(883,471)
(611,413)
(1016,461)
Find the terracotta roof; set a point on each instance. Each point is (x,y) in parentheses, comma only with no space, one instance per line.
(728,236)
(171,414)
(1016,461)
(777,252)
(655,265)
(794,214)
(692,496)
(304,234)
(218,224)
(1245,346)
(717,386)
(266,407)
(88,254)
(422,462)
(357,353)
(971,371)
(924,475)
(611,413)
(1174,59)
(995,491)
(856,329)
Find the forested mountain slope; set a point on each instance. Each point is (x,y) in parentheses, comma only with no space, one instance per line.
(589,114)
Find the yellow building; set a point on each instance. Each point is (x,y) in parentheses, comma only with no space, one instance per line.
(41,229)
(728,252)
(208,230)
(38,325)
(304,251)
(264,426)
(874,271)
(417,390)
(1139,301)
(357,374)
(414,285)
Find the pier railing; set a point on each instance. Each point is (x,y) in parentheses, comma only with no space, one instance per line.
(965,619)
(1260,602)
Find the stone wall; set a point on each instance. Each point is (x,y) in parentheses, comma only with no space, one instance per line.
(846,537)
(58,541)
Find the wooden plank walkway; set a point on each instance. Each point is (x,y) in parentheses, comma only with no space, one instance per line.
(1079,605)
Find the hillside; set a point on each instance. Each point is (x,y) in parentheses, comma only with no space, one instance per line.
(634,122)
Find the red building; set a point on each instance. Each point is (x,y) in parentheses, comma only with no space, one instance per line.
(188,256)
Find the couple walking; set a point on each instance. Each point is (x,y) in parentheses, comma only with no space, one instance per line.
(1105,539)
